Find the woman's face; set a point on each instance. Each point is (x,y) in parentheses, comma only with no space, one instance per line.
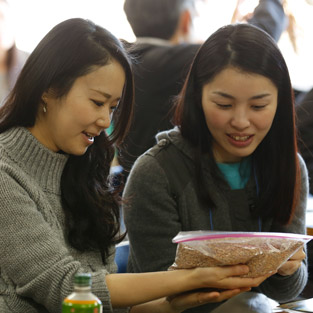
(239,109)
(71,123)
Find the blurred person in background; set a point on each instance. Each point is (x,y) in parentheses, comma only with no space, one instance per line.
(268,15)
(164,50)
(265,17)
(304,112)
(11,58)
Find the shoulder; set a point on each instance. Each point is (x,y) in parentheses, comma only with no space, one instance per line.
(304,188)
(172,55)
(157,161)
(150,161)
(161,147)
(304,177)
(7,163)
(303,168)
(170,151)
(185,49)
(11,173)
(146,174)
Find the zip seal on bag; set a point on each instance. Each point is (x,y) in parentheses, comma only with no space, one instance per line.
(263,252)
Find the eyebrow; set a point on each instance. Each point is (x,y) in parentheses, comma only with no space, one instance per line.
(104,94)
(226,95)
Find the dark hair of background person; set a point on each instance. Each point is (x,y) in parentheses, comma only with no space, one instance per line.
(72,49)
(275,160)
(155,18)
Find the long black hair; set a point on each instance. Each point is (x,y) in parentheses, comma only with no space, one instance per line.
(275,160)
(72,49)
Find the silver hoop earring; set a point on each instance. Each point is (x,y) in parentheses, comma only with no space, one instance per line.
(44,108)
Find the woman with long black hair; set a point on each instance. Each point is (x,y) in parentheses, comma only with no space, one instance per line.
(59,213)
(231,163)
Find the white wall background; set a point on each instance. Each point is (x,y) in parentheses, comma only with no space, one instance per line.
(34,18)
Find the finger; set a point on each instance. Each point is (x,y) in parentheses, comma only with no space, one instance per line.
(239,282)
(245,289)
(289,268)
(299,255)
(193,299)
(227,294)
(234,270)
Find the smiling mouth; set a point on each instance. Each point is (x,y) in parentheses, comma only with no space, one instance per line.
(89,136)
(239,138)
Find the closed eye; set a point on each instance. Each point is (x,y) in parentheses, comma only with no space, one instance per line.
(98,103)
(258,107)
(223,106)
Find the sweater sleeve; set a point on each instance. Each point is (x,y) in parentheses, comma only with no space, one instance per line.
(34,258)
(287,288)
(269,15)
(151,217)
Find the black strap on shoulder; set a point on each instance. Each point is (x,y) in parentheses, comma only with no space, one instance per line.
(178,168)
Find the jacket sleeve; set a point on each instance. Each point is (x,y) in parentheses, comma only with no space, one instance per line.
(34,257)
(151,217)
(287,288)
(269,15)
(305,139)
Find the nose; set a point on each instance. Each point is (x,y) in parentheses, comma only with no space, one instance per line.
(104,119)
(240,119)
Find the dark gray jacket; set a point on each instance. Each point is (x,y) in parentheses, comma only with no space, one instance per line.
(154,215)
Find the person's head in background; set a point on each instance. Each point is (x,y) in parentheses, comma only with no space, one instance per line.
(237,102)
(74,80)
(164,19)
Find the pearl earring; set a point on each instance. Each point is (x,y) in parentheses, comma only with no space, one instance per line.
(44,104)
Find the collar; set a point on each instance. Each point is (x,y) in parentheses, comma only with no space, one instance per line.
(153,41)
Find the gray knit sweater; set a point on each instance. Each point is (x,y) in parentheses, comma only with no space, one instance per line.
(37,265)
(153,216)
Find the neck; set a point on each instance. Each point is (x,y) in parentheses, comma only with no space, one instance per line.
(3,59)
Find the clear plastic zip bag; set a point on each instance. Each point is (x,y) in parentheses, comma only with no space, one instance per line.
(263,252)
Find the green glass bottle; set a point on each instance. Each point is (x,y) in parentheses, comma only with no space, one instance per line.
(82,300)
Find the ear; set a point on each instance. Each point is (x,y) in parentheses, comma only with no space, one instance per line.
(48,94)
(44,97)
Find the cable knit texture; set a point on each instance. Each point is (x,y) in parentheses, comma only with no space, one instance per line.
(37,265)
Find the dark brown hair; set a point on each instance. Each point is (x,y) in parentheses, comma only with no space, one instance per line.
(72,49)
(275,161)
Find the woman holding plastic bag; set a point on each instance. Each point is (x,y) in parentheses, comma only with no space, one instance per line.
(230,164)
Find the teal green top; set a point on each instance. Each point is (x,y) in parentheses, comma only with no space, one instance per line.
(109,130)
(236,174)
